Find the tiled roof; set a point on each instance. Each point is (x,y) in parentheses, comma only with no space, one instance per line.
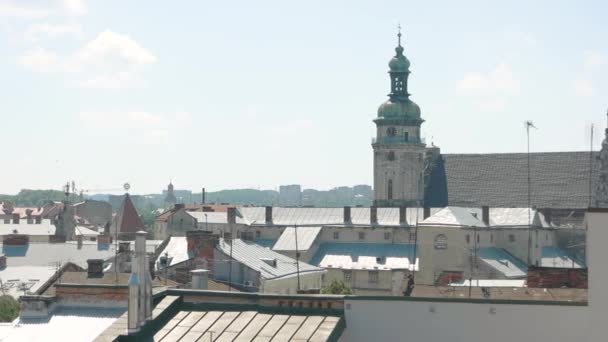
(370,256)
(306,237)
(251,255)
(559,180)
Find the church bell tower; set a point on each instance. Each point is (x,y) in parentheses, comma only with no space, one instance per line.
(398,148)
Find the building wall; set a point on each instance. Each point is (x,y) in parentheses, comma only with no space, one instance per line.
(390,282)
(401,320)
(289,285)
(96,212)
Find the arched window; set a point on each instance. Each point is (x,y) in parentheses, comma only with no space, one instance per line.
(390,189)
(391,155)
(441,242)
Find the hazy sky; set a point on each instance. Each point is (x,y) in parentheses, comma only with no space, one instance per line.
(231,94)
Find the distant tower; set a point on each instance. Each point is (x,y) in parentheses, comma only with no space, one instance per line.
(170,199)
(398,149)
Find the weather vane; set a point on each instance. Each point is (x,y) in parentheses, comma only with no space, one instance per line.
(399,32)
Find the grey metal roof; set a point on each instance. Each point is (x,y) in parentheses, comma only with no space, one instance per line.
(43,228)
(251,255)
(177,251)
(45,254)
(556,257)
(214,217)
(503,262)
(32,276)
(306,237)
(559,180)
(370,256)
(329,216)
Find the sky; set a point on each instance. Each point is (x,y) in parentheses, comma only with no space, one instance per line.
(256,94)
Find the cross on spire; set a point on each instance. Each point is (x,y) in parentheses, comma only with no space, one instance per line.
(399,33)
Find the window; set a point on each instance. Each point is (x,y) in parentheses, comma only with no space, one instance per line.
(390,155)
(391,131)
(547,236)
(441,242)
(361,235)
(387,236)
(390,189)
(492,238)
(405,136)
(336,235)
(511,238)
(258,234)
(467,238)
(477,238)
(373,276)
(348,275)
(412,236)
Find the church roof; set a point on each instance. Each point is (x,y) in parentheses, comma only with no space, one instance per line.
(128,220)
(559,180)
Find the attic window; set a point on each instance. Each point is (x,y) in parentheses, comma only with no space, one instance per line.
(467,238)
(511,237)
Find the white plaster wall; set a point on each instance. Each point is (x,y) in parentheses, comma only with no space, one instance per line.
(392,320)
(289,285)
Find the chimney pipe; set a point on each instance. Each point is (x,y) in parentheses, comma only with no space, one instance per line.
(485,215)
(347,218)
(231,215)
(95,268)
(548,215)
(200,279)
(203,196)
(269,214)
(426,213)
(402,216)
(373,215)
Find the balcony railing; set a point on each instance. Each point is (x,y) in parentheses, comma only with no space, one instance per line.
(397,140)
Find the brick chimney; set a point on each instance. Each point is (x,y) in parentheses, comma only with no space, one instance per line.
(373,215)
(347,217)
(269,214)
(231,212)
(95,268)
(485,215)
(426,213)
(403,216)
(201,244)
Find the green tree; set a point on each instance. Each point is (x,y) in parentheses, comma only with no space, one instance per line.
(337,287)
(9,308)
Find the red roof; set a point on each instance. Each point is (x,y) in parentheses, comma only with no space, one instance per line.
(128,218)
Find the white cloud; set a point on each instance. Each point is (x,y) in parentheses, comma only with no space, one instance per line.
(41,60)
(593,59)
(498,80)
(141,126)
(492,89)
(583,87)
(35,32)
(17,9)
(111,61)
(76,7)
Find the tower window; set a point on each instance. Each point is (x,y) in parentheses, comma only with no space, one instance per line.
(390,189)
(391,131)
(391,155)
(405,136)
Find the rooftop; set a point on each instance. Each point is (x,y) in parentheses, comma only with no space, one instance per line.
(368,256)
(306,237)
(251,254)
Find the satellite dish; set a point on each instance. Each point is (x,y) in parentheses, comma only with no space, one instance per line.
(126,186)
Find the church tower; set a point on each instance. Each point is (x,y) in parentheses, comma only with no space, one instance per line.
(398,149)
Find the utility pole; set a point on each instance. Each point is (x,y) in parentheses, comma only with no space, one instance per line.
(295,228)
(528,125)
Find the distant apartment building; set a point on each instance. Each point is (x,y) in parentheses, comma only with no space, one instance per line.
(290,195)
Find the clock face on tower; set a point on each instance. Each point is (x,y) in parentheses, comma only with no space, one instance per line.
(391,131)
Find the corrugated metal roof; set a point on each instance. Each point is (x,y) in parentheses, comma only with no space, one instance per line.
(503,262)
(557,257)
(45,254)
(32,276)
(251,255)
(176,249)
(370,256)
(453,216)
(330,216)
(306,237)
(215,217)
